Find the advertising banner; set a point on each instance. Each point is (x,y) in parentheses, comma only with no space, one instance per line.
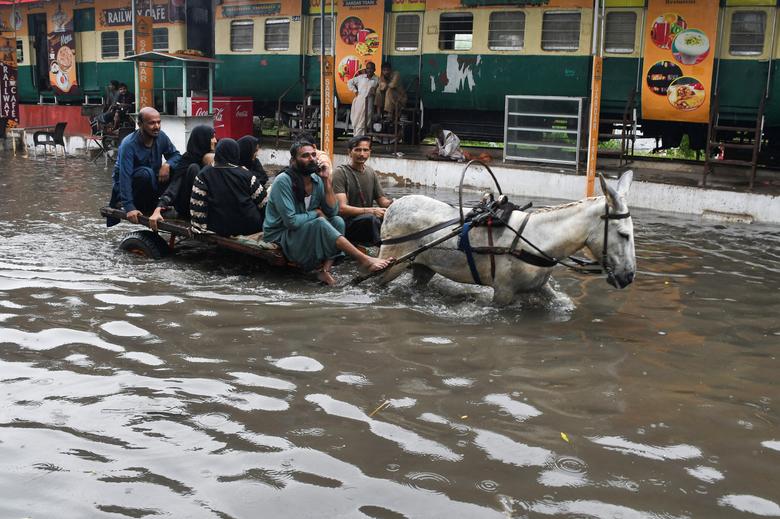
(407,5)
(680,43)
(143,43)
(359,28)
(62,53)
(9,72)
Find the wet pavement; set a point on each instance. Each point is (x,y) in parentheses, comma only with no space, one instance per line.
(206,385)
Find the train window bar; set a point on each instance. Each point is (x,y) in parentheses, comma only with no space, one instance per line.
(242,35)
(747,33)
(315,34)
(620,32)
(506,30)
(277,34)
(561,30)
(109,44)
(407,32)
(455,31)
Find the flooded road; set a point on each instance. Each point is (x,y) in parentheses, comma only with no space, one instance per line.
(206,386)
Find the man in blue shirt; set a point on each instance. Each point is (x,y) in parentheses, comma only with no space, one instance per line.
(139,174)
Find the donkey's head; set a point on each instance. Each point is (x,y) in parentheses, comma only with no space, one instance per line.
(612,241)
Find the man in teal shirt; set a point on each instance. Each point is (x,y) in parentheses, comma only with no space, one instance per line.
(302,215)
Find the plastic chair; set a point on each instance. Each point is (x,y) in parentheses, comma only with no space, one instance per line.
(55,138)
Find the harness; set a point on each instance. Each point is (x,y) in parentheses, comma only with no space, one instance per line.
(490,213)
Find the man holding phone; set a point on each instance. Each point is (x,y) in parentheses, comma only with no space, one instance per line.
(302,215)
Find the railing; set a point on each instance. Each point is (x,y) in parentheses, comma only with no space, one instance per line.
(543,129)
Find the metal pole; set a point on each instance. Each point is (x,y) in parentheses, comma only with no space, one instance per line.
(184,87)
(595,105)
(211,88)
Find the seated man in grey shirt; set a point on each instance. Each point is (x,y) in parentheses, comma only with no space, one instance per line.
(357,188)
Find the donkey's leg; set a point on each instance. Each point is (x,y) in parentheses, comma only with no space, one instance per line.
(503,295)
(421,274)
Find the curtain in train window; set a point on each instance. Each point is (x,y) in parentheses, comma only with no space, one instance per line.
(242,33)
(315,35)
(109,44)
(407,32)
(507,30)
(160,39)
(620,32)
(747,33)
(561,31)
(277,34)
(455,31)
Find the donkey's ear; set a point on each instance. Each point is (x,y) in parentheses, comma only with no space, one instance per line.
(625,182)
(608,191)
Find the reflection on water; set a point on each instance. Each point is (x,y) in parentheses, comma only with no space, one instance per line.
(205,385)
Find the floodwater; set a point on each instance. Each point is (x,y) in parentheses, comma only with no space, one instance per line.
(206,386)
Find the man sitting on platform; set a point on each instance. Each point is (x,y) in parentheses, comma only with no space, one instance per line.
(302,215)
(357,188)
(139,175)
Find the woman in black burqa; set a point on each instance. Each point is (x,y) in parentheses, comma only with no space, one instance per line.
(249,146)
(226,197)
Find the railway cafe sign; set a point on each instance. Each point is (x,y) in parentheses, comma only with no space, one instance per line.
(680,38)
(120,16)
(9,92)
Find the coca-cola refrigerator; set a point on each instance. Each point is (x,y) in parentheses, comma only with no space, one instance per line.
(232,115)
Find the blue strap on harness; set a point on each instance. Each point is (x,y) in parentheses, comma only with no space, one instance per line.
(465,246)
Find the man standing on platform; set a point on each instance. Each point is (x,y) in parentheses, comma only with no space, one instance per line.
(364,85)
(139,174)
(357,188)
(390,95)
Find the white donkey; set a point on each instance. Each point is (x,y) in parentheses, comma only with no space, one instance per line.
(602,225)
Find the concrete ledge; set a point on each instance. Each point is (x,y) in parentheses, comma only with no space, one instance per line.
(529,182)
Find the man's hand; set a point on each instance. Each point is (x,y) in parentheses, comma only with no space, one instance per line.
(320,214)
(379,212)
(165,173)
(156,217)
(326,167)
(133,215)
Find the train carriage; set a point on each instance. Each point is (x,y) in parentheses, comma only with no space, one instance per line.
(459,58)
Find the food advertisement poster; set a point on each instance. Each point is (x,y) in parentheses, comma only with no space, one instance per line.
(359,28)
(9,71)
(680,41)
(62,53)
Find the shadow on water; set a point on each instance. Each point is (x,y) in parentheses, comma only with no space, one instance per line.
(206,385)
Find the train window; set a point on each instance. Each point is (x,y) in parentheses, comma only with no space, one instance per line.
(19,51)
(128,36)
(315,35)
(109,44)
(507,30)
(407,32)
(620,32)
(242,33)
(455,31)
(561,31)
(747,33)
(160,39)
(277,34)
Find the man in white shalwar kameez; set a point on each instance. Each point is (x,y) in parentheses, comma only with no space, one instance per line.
(447,145)
(364,86)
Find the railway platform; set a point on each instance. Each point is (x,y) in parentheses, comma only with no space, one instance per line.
(659,184)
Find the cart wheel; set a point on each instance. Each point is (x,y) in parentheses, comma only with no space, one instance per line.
(145,243)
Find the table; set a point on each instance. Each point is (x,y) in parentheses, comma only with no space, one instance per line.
(21,133)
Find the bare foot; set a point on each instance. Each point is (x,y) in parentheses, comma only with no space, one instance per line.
(376,264)
(326,278)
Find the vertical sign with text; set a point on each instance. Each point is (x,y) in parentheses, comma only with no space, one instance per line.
(328,114)
(9,72)
(143,43)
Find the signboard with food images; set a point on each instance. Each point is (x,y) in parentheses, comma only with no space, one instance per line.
(359,27)
(62,53)
(679,57)
(9,72)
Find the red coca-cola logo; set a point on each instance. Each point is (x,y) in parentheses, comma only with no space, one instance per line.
(200,112)
(241,113)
